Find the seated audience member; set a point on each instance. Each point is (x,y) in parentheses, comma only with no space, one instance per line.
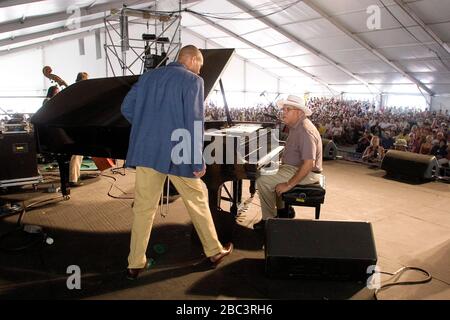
(441,152)
(425,147)
(373,153)
(444,129)
(322,129)
(437,136)
(401,145)
(376,131)
(387,141)
(336,132)
(363,142)
(417,142)
(404,134)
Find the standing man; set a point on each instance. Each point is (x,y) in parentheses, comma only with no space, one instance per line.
(76,160)
(165,100)
(301,160)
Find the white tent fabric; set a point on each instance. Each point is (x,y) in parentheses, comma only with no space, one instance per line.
(316,46)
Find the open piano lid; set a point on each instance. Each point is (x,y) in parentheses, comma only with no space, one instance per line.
(96,102)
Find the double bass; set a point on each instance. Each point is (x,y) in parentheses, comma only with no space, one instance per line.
(47,71)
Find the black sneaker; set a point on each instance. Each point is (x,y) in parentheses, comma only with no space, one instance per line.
(289,213)
(260,225)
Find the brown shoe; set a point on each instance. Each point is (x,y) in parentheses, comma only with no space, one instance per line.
(218,258)
(132,273)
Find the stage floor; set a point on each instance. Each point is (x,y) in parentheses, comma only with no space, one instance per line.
(411,225)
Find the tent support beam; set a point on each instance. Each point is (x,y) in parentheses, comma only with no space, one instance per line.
(46,33)
(264,51)
(419,21)
(195,34)
(367,46)
(64,15)
(301,43)
(10,3)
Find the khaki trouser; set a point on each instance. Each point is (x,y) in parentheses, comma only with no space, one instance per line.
(148,189)
(266,184)
(74,168)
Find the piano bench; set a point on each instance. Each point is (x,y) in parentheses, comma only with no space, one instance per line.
(312,195)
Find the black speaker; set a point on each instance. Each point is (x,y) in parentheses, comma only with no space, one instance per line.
(17,156)
(409,165)
(336,250)
(329,149)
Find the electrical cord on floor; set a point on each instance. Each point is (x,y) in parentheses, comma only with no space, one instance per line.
(113,185)
(40,236)
(118,171)
(44,201)
(397,274)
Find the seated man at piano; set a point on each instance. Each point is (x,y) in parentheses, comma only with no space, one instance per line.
(301,162)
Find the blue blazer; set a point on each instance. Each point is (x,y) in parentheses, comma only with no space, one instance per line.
(165,109)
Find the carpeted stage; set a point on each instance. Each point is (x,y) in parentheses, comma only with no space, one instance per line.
(411,224)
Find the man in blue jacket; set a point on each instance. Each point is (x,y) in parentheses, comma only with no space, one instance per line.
(165,102)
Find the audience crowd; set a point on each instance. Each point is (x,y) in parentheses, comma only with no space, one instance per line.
(359,124)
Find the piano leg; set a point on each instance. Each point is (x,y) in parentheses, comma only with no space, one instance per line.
(214,195)
(252,188)
(63,163)
(237,195)
(239,198)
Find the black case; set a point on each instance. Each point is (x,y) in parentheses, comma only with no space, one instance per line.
(18,156)
(337,250)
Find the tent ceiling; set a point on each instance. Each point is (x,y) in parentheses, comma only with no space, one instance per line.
(34,9)
(327,39)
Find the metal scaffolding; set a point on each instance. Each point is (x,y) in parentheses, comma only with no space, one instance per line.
(160,42)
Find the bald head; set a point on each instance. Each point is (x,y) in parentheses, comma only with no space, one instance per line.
(191,57)
(188,52)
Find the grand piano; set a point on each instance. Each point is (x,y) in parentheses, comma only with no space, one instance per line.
(85,119)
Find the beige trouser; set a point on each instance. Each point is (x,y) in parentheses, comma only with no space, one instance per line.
(148,189)
(266,184)
(74,168)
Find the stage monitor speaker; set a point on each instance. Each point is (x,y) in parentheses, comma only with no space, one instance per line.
(329,149)
(17,156)
(409,165)
(313,249)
